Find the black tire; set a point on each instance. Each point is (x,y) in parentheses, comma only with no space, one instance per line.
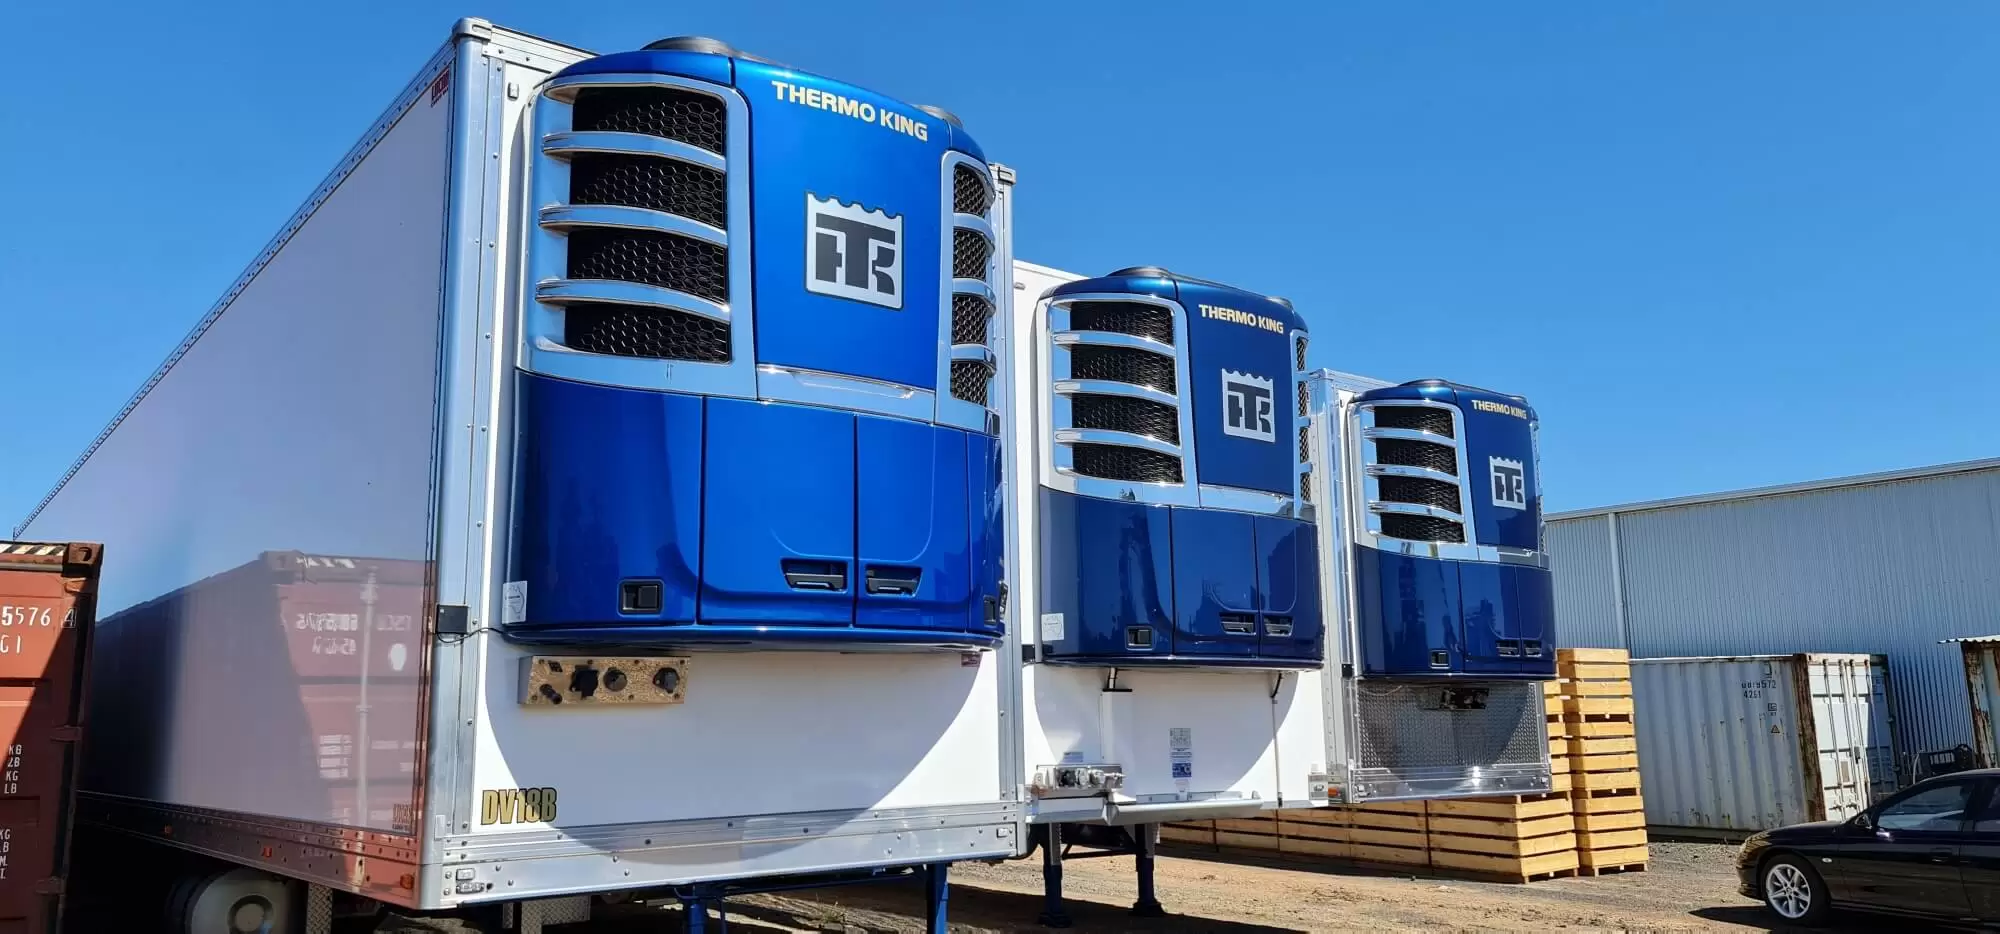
(1794,891)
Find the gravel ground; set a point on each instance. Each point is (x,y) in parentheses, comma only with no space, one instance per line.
(1686,887)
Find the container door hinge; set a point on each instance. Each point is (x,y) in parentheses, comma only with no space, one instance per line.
(52,885)
(66,734)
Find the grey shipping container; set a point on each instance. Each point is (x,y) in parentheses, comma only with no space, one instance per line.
(1736,744)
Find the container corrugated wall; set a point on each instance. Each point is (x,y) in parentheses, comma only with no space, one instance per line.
(1580,555)
(1891,567)
(1741,744)
(1982,687)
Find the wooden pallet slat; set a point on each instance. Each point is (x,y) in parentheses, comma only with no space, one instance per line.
(1600,689)
(1587,822)
(1611,762)
(1600,746)
(1610,839)
(1607,801)
(1580,727)
(1594,671)
(1598,706)
(1441,825)
(1623,859)
(1500,846)
(1509,869)
(1381,855)
(1593,656)
(1514,808)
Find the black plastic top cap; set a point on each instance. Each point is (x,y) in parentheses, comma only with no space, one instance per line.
(704,45)
(1153,271)
(942,114)
(1280,299)
(1427,382)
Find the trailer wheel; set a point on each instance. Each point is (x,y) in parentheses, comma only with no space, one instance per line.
(236,901)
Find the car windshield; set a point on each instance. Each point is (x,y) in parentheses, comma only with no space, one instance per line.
(1940,808)
(1989,816)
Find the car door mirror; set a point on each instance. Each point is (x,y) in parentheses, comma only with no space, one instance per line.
(1863,822)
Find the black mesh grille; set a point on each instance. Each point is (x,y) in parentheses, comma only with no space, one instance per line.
(1414,418)
(690,266)
(1417,454)
(646,182)
(1305,397)
(1299,354)
(1436,493)
(1148,321)
(1306,486)
(969,251)
(969,381)
(1305,450)
(1422,529)
(638,332)
(969,194)
(1117,413)
(1138,367)
(1132,465)
(695,119)
(969,314)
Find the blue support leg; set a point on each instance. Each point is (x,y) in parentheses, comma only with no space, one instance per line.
(937,892)
(1053,914)
(694,912)
(1147,906)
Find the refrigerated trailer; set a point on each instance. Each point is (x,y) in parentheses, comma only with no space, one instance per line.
(1441,616)
(593,487)
(1162,565)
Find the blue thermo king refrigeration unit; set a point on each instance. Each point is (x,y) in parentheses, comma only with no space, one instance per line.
(1172,455)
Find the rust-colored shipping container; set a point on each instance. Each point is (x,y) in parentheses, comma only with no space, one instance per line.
(47,605)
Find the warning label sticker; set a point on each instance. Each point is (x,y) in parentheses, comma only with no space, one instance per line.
(1180,755)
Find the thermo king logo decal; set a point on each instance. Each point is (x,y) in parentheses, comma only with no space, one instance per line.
(1246,406)
(1510,483)
(854,253)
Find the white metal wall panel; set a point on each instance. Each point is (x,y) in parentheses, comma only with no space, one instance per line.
(1724,742)
(1890,567)
(1586,591)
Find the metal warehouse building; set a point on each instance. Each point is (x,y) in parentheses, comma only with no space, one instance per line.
(1888,563)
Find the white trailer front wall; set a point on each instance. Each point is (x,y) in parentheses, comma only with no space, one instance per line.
(776,762)
(1222,723)
(289,438)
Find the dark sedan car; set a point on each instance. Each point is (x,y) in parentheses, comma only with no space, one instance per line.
(1932,850)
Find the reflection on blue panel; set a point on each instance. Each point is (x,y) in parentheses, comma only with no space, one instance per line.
(1288,553)
(1215,583)
(649,518)
(1425,617)
(779,543)
(911,495)
(610,489)
(985,515)
(1106,569)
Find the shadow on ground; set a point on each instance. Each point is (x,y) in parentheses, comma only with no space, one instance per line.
(897,908)
(1759,918)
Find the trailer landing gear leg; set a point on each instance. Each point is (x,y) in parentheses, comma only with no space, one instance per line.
(1147,906)
(937,892)
(1053,915)
(694,911)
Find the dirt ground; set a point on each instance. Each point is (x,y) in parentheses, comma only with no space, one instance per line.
(1686,887)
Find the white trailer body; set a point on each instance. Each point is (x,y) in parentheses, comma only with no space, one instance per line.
(301,667)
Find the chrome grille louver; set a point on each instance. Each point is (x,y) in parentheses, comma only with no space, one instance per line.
(636,257)
(968,249)
(1116,396)
(1413,471)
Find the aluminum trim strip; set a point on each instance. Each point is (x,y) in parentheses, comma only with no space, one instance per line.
(1112,339)
(563,144)
(838,390)
(975,353)
(976,287)
(1124,439)
(1238,499)
(1111,387)
(565,217)
(974,223)
(1417,473)
(1414,509)
(1406,434)
(571,291)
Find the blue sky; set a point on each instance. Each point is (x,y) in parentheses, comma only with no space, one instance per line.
(1717,245)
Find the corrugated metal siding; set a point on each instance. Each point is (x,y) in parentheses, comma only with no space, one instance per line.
(1888,568)
(1723,742)
(1586,597)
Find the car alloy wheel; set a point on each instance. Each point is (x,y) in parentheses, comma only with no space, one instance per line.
(1788,891)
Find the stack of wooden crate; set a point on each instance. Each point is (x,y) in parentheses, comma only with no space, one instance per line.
(1517,838)
(1591,720)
